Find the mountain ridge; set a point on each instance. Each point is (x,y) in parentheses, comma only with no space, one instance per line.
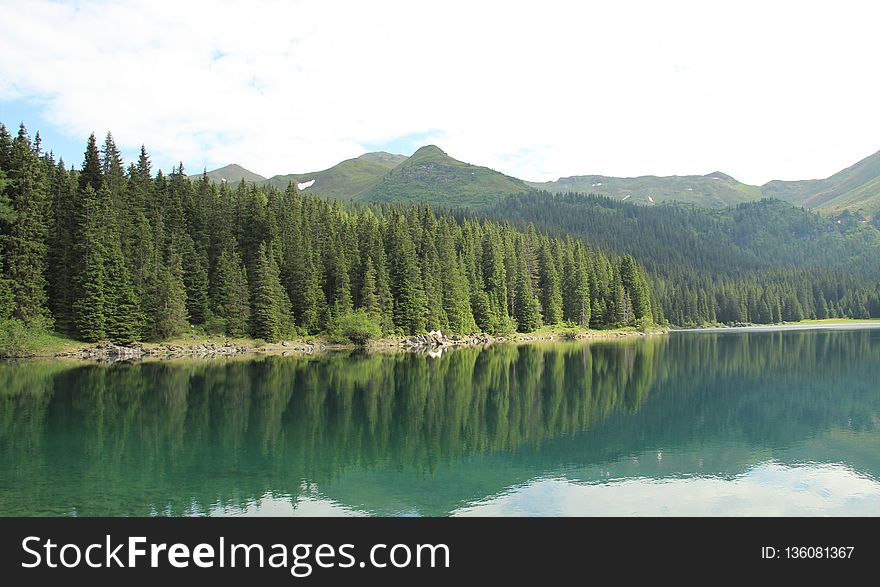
(430,175)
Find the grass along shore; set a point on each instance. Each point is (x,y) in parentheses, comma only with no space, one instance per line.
(53,345)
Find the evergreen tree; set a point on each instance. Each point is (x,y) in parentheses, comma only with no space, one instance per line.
(91,175)
(576,297)
(195,280)
(168,297)
(268,319)
(406,280)
(123,317)
(526,305)
(64,196)
(495,279)
(550,286)
(7,296)
(232,302)
(453,283)
(23,232)
(305,288)
(369,296)
(112,171)
(338,284)
(89,303)
(636,288)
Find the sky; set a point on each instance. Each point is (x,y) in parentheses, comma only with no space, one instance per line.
(538,90)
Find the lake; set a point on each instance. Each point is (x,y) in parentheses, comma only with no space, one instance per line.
(742,423)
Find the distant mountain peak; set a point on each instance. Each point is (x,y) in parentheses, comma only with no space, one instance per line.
(429,150)
(432,176)
(719,175)
(232,173)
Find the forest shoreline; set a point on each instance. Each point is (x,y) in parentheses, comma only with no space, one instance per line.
(222,347)
(209,347)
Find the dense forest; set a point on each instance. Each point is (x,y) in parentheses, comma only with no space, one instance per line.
(761,262)
(104,252)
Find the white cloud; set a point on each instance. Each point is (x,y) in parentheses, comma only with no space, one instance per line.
(767,489)
(761,90)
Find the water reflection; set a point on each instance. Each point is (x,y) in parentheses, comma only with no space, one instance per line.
(695,421)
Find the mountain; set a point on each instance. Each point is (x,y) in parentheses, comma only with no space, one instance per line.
(715,190)
(432,176)
(854,188)
(344,180)
(232,174)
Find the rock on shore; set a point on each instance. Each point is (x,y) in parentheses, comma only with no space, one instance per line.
(108,351)
(435,339)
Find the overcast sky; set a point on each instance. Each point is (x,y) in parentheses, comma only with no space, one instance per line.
(538,90)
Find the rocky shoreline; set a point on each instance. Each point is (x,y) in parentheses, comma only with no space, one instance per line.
(435,339)
(108,351)
(432,342)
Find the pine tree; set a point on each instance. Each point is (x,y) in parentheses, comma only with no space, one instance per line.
(550,287)
(123,317)
(527,310)
(637,289)
(91,175)
(495,280)
(168,297)
(268,306)
(5,149)
(62,247)
(432,279)
(195,280)
(7,296)
(453,283)
(338,284)
(374,293)
(112,171)
(90,275)
(303,284)
(369,297)
(406,280)
(232,302)
(23,234)
(576,285)
(620,303)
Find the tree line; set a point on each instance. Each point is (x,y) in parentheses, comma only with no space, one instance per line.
(125,254)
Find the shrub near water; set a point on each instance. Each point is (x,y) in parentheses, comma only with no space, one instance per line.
(358,327)
(19,340)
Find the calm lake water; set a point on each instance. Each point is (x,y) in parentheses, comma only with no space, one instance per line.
(757,423)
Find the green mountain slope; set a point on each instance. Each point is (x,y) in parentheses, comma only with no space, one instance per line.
(432,176)
(854,188)
(387,160)
(716,190)
(232,174)
(344,180)
(754,236)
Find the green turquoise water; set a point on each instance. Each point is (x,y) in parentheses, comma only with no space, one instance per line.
(748,423)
